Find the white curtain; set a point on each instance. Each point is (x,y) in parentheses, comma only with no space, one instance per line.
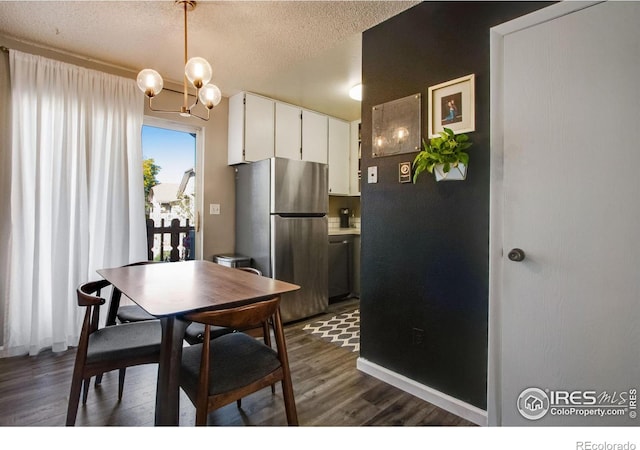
(77,198)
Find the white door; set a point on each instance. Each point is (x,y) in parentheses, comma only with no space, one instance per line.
(565,321)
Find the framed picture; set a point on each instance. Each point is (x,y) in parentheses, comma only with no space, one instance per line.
(396,126)
(452,105)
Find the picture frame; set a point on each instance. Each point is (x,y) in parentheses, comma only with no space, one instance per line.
(452,105)
(396,126)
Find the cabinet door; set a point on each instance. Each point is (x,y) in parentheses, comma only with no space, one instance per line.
(235,150)
(259,128)
(288,131)
(339,133)
(314,137)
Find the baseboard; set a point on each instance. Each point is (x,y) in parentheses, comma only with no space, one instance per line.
(441,400)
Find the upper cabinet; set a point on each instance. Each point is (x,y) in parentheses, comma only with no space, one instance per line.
(251,128)
(288,131)
(314,136)
(301,134)
(339,134)
(260,128)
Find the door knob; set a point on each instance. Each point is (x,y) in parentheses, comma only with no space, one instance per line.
(516,255)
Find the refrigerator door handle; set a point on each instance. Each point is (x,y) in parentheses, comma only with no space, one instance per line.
(294,215)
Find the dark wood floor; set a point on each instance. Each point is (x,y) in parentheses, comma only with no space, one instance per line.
(329,391)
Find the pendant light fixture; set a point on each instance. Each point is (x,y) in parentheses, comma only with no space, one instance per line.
(197,72)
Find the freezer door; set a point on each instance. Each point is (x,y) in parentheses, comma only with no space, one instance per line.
(299,187)
(299,256)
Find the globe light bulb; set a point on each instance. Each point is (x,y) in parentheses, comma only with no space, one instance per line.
(210,95)
(198,71)
(150,82)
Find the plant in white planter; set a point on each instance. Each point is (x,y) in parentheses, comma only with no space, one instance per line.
(444,155)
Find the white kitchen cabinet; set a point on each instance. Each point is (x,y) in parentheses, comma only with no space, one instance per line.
(251,128)
(288,135)
(314,136)
(339,134)
(354,159)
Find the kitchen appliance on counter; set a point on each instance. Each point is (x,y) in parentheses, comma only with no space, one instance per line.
(281,223)
(344,217)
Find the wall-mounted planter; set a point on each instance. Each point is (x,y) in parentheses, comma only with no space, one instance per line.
(458,173)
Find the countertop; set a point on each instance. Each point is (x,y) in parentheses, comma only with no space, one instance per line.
(344,231)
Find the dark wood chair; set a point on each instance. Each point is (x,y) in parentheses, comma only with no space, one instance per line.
(109,348)
(117,313)
(195,331)
(219,371)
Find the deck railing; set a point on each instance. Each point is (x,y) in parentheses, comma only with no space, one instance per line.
(180,245)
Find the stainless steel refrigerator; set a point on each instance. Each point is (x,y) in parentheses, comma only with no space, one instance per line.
(281,224)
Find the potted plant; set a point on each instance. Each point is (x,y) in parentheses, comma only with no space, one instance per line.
(445,155)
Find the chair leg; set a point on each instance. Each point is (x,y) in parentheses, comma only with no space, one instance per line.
(289,402)
(98,379)
(266,332)
(121,374)
(74,399)
(201,417)
(239,403)
(287,386)
(85,390)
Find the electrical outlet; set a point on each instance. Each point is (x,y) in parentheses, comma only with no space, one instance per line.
(214,208)
(417,336)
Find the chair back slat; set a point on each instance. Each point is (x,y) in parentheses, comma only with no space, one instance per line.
(238,318)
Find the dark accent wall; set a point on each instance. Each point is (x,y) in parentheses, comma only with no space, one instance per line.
(425,263)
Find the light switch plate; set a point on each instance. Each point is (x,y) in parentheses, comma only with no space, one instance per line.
(372,174)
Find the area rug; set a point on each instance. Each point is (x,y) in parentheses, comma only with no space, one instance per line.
(342,330)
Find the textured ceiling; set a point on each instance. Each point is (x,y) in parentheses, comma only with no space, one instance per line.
(303,52)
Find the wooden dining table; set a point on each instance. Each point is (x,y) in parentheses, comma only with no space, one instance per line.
(170,290)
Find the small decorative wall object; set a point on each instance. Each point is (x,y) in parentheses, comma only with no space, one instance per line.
(396,126)
(404,172)
(444,155)
(452,105)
